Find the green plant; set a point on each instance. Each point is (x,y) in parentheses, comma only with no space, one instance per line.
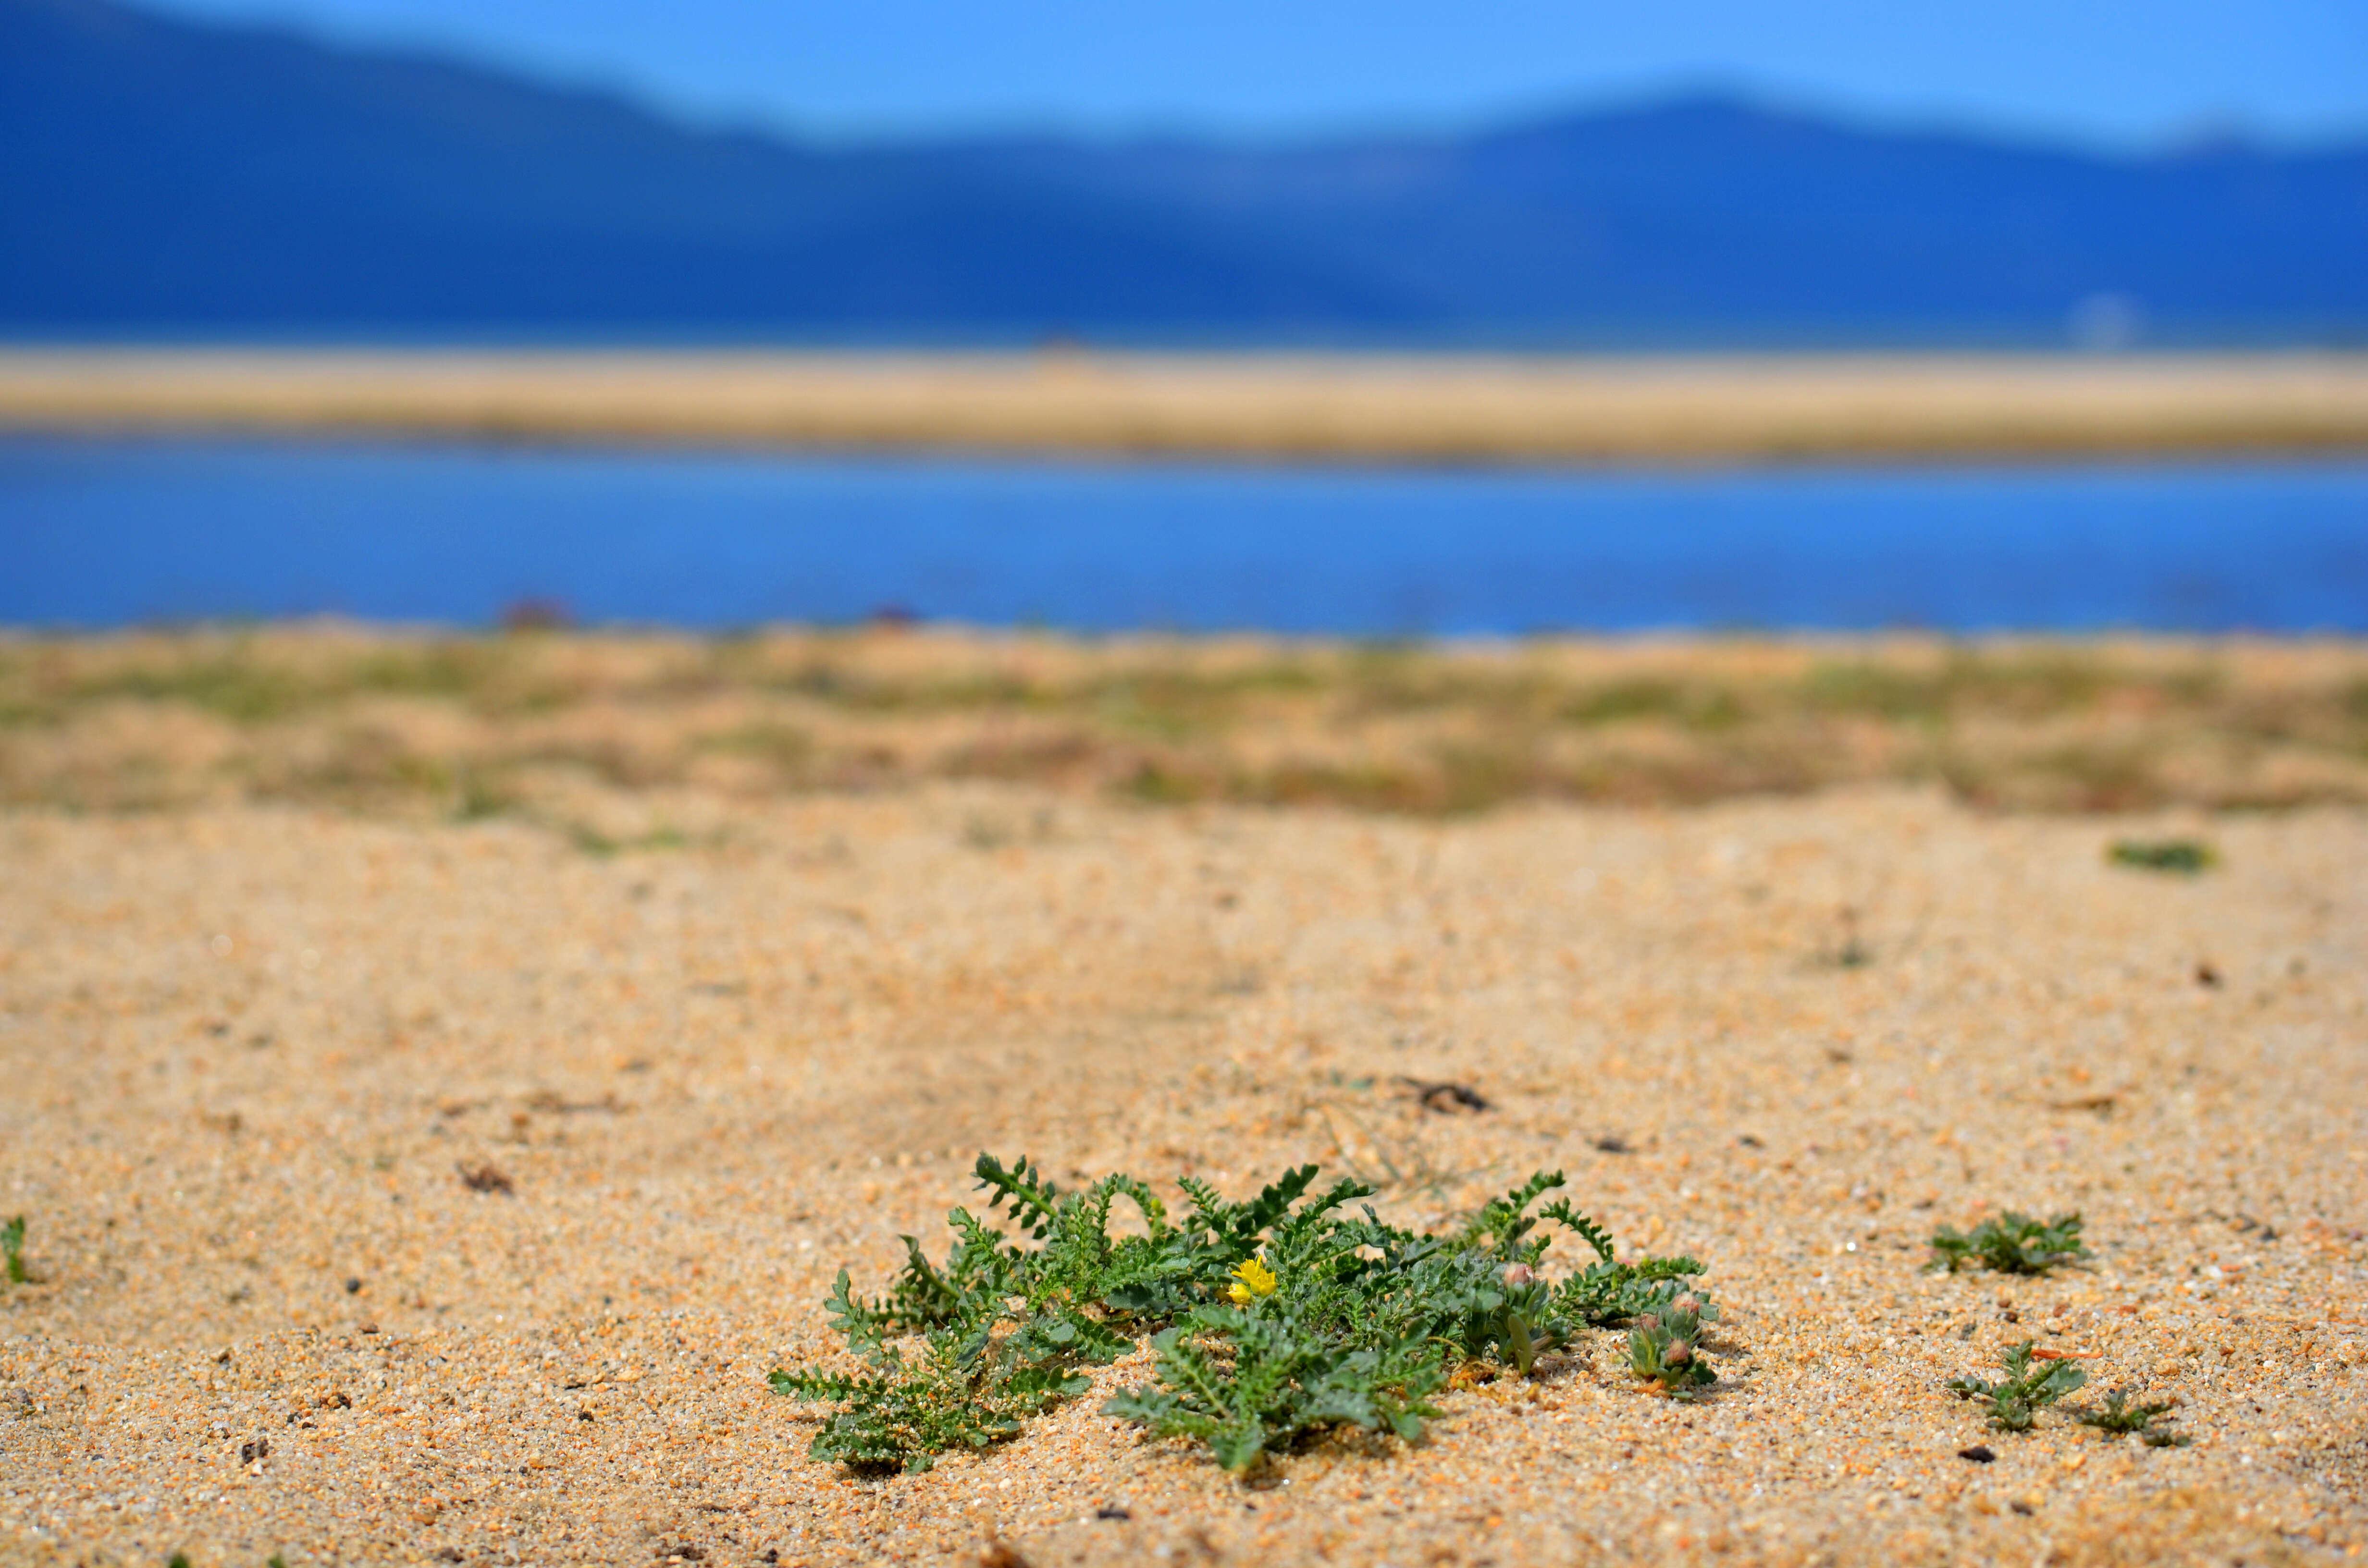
(476,797)
(1664,1347)
(2186,856)
(2010,1244)
(2118,1418)
(12,1246)
(2024,1390)
(1002,1334)
(1271,1319)
(601,846)
(1244,1381)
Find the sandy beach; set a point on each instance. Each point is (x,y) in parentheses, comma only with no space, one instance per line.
(1337,408)
(404,1185)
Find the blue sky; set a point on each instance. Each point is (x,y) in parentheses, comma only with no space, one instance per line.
(2126,74)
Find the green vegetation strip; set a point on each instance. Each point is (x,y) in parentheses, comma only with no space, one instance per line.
(476,725)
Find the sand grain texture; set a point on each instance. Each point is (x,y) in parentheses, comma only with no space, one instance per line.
(249,1050)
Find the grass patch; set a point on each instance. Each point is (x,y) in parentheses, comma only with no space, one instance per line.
(243,691)
(602,846)
(788,747)
(12,1252)
(1877,690)
(2119,1418)
(1271,1319)
(1627,700)
(2180,857)
(2010,1244)
(477,798)
(2016,1399)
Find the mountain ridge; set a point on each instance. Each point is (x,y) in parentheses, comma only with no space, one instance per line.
(163,175)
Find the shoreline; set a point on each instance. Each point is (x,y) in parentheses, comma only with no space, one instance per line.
(1448,409)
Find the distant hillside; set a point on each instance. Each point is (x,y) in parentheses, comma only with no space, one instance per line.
(161,176)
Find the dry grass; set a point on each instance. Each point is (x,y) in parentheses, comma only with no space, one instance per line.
(1365,408)
(471,725)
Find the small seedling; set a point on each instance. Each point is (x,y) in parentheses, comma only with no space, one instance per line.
(1664,1347)
(1271,1319)
(2024,1390)
(2183,856)
(2010,1244)
(12,1246)
(2119,1418)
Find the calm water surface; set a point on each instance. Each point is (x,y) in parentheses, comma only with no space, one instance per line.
(105,533)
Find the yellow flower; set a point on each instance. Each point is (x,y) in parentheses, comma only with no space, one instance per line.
(1256,1279)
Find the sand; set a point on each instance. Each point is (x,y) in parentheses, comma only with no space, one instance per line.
(251,1050)
(1352,408)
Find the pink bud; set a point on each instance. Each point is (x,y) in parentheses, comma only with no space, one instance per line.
(1518,1274)
(1680,1354)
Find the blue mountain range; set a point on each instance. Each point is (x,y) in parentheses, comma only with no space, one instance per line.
(162,178)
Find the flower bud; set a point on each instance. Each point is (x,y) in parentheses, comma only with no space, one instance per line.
(1518,1274)
(1680,1354)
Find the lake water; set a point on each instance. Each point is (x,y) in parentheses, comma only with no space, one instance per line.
(106,533)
